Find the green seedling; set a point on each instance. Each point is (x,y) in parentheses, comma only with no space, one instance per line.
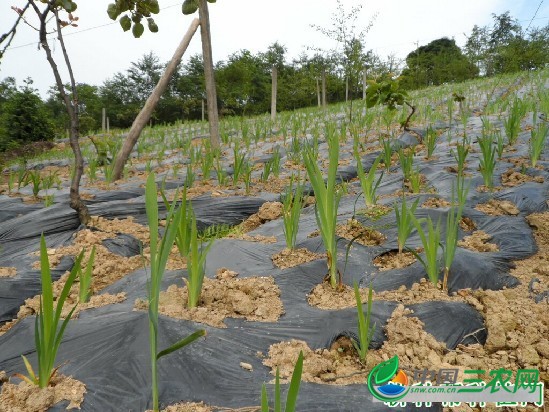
(406,162)
(367,181)
(404,219)
(276,162)
(292,204)
(34,177)
(538,137)
(431,244)
(461,153)
(221,174)
(293,390)
(267,167)
(85,276)
(415,181)
(431,138)
(487,160)
(512,122)
(327,199)
(452,224)
(160,251)
(387,153)
(239,162)
(190,176)
(365,332)
(47,333)
(196,261)
(500,144)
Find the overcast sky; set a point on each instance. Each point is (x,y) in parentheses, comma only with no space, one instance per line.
(99,48)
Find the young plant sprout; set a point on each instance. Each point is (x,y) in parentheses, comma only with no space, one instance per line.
(431,244)
(47,333)
(452,224)
(160,251)
(367,181)
(291,210)
(431,138)
(327,199)
(85,276)
(365,332)
(387,153)
(404,219)
(196,261)
(461,153)
(487,160)
(406,162)
(415,181)
(293,390)
(538,136)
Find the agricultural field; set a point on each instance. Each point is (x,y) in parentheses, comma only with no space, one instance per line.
(262,250)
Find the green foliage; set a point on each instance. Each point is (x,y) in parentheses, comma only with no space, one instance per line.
(487,160)
(160,251)
(404,220)
(365,332)
(291,210)
(440,61)
(293,390)
(196,259)
(24,119)
(367,181)
(47,333)
(512,121)
(431,244)
(327,198)
(133,12)
(406,158)
(386,91)
(538,137)
(85,276)
(431,138)
(452,224)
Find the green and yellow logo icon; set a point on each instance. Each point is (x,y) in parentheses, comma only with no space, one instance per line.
(386,382)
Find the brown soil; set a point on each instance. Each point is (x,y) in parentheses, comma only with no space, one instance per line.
(255,299)
(187,407)
(467,224)
(478,242)
(394,260)
(267,212)
(498,208)
(7,272)
(366,236)
(24,397)
(288,258)
(255,238)
(514,178)
(435,203)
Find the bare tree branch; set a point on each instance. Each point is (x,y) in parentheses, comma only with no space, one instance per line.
(11,33)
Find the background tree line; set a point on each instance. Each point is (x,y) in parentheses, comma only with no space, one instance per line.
(244,81)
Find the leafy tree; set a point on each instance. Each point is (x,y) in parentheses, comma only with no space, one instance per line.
(438,62)
(24,117)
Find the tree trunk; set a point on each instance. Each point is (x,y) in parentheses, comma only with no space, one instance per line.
(364,84)
(324,88)
(346,89)
(318,98)
(274,80)
(76,202)
(145,114)
(211,94)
